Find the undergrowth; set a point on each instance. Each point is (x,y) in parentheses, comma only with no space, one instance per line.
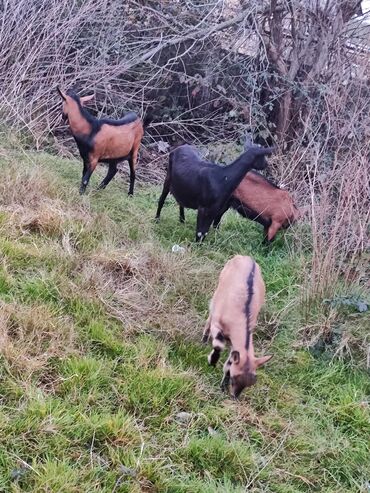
(104,385)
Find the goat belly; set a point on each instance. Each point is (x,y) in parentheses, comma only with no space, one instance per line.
(185,192)
(246,211)
(185,200)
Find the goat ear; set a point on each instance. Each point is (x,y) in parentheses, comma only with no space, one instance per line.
(235,357)
(247,142)
(61,93)
(262,151)
(86,99)
(261,361)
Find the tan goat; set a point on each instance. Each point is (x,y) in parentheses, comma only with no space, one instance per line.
(233,316)
(102,140)
(260,200)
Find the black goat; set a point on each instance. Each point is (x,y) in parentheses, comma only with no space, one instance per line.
(260,200)
(206,186)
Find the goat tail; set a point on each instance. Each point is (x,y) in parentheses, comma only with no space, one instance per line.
(170,159)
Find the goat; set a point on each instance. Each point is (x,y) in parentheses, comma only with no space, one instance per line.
(258,199)
(206,186)
(102,140)
(232,318)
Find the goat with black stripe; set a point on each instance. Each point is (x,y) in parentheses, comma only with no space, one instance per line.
(234,309)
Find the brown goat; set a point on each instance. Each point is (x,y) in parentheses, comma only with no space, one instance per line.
(234,309)
(102,140)
(260,200)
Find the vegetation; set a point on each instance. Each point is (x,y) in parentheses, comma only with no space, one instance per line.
(104,385)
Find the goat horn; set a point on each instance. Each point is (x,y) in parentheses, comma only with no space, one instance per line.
(61,94)
(247,142)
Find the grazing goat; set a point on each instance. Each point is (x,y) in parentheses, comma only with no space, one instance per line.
(233,315)
(206,186)
(260,200)
(105,140)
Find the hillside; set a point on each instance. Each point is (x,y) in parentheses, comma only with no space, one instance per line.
(104,384)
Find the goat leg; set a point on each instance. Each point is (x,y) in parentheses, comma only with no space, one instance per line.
(84,171)
(214,356)
(182,214)
(217,219)
(90,167)
(85,167)
(272,230)
(225,381)
(132,164)
(226,378)
(112,170)
(216,222)
(204,221)
(206,331)
(162,198)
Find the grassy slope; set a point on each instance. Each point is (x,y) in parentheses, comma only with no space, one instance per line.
(99,334)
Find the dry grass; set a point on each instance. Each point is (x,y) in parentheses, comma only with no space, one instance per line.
(137,287)
(31,336)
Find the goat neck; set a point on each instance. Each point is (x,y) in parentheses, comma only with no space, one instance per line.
(241,340)
(78,122)
(235,172)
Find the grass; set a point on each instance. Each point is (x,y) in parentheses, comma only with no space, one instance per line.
(104,385)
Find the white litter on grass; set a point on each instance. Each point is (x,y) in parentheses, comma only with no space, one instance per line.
(178,249)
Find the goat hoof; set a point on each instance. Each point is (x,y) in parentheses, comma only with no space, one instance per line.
(82,190)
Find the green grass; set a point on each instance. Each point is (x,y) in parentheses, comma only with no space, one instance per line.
(104,385)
